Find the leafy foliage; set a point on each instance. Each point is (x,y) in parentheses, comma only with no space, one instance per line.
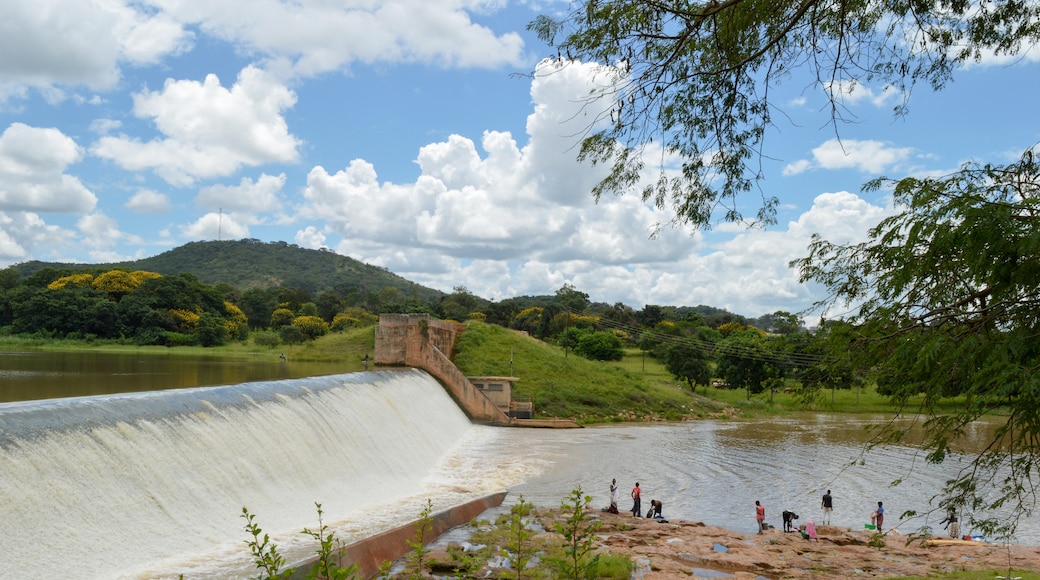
(688,362)
(327,566)
(600,345)
(695,78)
(423,526)
(265,552)
(519,549)
(579,535)
(947,298)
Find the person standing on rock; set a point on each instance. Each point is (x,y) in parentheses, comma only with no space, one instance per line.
(760,515)
(827,503)
(637,508)
(615,496)
(879,516)
(951,523)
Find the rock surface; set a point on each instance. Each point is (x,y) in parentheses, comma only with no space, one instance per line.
(684,549)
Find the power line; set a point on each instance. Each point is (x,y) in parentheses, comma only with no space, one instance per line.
(798,358)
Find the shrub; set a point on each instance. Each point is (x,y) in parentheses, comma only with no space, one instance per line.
(267,338)
(311,326)
(579,535)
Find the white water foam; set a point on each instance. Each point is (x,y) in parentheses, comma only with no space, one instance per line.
(161,496)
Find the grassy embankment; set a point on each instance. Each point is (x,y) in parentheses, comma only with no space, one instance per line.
(560,384)
(350,345)
(639,386)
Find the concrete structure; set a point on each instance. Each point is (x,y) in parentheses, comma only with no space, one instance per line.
(416,340)
(370,553)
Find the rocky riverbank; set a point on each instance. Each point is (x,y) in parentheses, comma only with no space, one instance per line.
(687,549)
(679,549)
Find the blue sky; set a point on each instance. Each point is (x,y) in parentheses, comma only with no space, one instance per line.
(409,135)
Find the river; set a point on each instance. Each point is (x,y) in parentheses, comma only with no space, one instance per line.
(152,484)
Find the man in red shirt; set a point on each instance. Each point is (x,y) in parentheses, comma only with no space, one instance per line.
(636,507)
(760,515)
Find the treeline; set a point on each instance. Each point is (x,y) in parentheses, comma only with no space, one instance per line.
(698,345)
(148,308)
(141,307)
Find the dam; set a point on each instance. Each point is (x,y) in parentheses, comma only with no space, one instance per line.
(152,485)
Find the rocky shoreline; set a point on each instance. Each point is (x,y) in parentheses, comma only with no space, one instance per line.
(682,549)
(687,549)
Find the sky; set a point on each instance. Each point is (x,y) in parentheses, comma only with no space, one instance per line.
(412,135)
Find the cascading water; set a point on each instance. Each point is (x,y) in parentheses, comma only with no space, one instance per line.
(153,484)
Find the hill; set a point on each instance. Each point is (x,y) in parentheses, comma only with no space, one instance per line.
(251,263)
(562,385)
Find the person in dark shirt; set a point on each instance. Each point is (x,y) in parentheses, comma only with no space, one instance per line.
(827,504)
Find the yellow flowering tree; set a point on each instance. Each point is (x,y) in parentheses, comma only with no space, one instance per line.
(311,326)
(183,320)
(236,321)
(73,280)
(281,317)
(116,283)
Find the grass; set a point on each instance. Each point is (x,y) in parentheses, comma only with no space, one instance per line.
(559,383)
(351,344)
(566,385)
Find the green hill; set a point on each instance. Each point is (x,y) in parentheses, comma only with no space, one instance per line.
(562,385)
(251,263)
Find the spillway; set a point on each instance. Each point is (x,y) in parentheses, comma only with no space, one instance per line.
(152,485)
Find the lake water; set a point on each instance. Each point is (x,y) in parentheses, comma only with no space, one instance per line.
(151,484)
(32,375)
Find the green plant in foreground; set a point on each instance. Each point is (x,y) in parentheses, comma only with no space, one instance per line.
(418,543)
(265,553)
(877,540)
(518,548)
(327,567)
(613,566)
(578,532)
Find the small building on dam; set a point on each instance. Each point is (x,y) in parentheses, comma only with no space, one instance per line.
(419,341)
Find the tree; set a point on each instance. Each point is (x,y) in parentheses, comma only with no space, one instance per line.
(946,298)
(570,298)
(747,361)
(258,305)
(311,326)
(329,304)
(281,317)
(458,304)
(781,322)
(695,78)
(688,362)
(600,345)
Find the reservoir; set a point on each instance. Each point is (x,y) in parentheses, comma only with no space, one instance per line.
(152,483)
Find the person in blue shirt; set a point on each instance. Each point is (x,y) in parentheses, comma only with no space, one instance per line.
(880,516)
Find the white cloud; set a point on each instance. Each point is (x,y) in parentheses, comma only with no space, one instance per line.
(210,131)
(73,42)
(99,230)
(853,92)
(866,156)
(248,196)
(215,226)
(22,232)
(320,36)
(797,167)
(310,237)
(148,201)
(32,172)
